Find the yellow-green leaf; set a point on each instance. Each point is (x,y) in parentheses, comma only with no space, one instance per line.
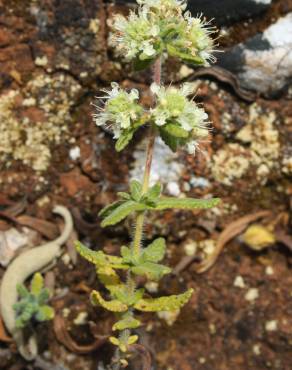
(127,323)
(151,270)
(170,303)
(37,284)
(114,305)
(155,251)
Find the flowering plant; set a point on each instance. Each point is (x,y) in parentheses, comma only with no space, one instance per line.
(158,28)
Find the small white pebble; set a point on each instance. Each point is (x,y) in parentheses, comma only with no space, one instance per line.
(74,153)
(256,349)
(173,188)
(65,312)
(191,248)
(41,61)
(152,286)
(239,282)
(81,318)
(269,270)
(271,325)
(212,329)
(252,294)
(66,258)
(202,360)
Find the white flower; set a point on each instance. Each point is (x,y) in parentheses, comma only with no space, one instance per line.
(162,25)
(120,109)
(173,107)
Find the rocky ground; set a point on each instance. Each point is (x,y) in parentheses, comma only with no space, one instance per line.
(55,58)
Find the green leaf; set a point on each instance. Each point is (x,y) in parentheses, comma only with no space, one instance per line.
(175,130)
(151,270)
(171,141)
(95,257)
(171,303)
(127,323)
(125,196)
(186,203)
(175,52)
(139,64)
(22,291)
(122,212)
(43,296)
(135,190)
(126,254)
(45,313)
(104,212)
(124,139)
(99,258)
(152,194)
(155,251)
(114,305)
(37,284)
(129,298)
(109,278)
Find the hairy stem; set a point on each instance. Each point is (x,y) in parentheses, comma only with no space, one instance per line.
(149,155)
(136,245)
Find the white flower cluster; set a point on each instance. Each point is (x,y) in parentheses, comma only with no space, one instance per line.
(122,112)
(173,106)
(162,25)
(120,109)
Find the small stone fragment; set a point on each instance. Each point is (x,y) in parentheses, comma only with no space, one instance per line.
(239,282)
(271,325)
(252,294)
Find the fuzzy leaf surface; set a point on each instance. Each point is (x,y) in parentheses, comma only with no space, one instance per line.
(127,323)
(104,212)
(135,190)
(124,139)
(186,203)
(171,303)
(151,270)
(113,306)
(122,212)
(155,251)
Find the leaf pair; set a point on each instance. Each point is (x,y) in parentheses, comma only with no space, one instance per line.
(146,263)
(171,303)
(138,202)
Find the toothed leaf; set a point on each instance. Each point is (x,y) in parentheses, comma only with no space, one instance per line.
(109,278)
(151,270)
(127,323)
(99,258)
(122,212)
(171,303)
(171,141)
(135,190)
(110,208)
(124,195)
(124,139)
(186,203)
(114,305)
(128,298)
(155,251)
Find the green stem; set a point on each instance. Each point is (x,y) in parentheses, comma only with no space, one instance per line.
(136,246)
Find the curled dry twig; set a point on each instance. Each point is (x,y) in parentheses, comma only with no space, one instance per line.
(232,230)
(65,338)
